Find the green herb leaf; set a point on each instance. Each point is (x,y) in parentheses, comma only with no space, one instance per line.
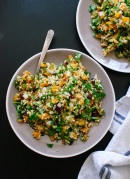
(24,85)
(58,96)
(102,95)
(71,69)
(94,118)
(16,82)
(33,116)
(92,8)
(78,57)
(55,116)
(78,106)
(85,115)
(104,6)
(49,145)
(34,97)
(67,137)
(127,2)
(16,103)
(74,80)
(48,87)
(51,132)
(86,73)
(88,86)
(60,129)
(70,88)
(41,111)
(60,72)
(29,107)
(95,22)
(86,102)
(115,8)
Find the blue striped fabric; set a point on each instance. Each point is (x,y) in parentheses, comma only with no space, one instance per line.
(117,121)
(108,174)
(102,171)
(127,153)
(119,115)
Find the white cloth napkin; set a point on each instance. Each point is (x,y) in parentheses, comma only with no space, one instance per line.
(114,162)
(121,110)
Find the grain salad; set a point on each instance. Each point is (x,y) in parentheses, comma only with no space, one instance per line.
(61,101)
(111,23)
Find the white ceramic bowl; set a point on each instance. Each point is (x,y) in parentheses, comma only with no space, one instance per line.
(24,131)
(93,45)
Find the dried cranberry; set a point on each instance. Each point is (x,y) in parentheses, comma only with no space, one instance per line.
(37,99)
(80,86)
(89,96)
(71,95)
(93,81)
(95,113)
(78,116)
(21,96)
(66,63)
(34,89)
(58,108)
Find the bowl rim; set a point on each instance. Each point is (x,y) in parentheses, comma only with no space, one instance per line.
(15,131)
(86,47)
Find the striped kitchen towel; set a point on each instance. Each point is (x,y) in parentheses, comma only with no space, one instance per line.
(121,110)
(114,162)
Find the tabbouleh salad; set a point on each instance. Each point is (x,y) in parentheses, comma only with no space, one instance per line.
(61,101)
(111,23)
